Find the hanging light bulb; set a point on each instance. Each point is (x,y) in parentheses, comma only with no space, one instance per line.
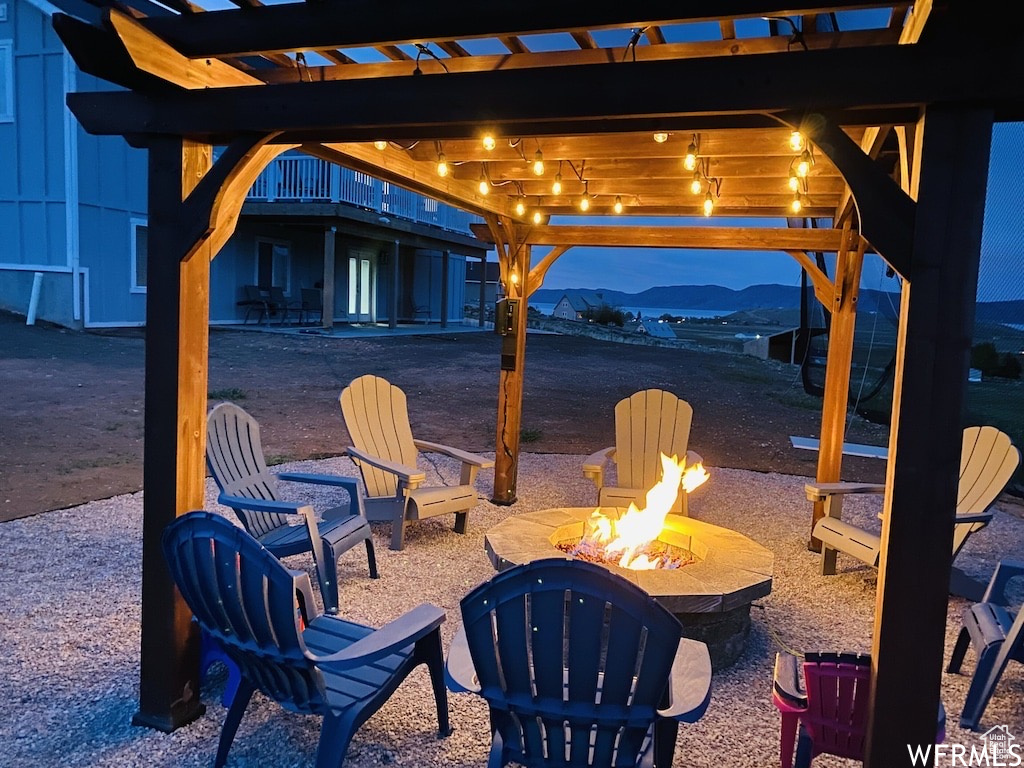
(442,164)
(538,163)
(514,277)
(794,181)
(661,137)
(796,204)
(690,161)
(520,207)
(695,185)
(804,164)
(556,186)
(538,217)
(484,186)
(489,142)
(796,141)
(709,203)
(381,145)
(618,204)
(585,203)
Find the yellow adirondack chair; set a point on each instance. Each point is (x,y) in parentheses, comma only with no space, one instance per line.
(647,424)
(377,419)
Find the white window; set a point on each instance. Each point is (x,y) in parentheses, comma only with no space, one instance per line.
(273,264)
(140,254)
(6,81)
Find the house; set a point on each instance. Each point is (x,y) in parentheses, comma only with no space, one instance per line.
(73,219)
(577,305)
(655,329)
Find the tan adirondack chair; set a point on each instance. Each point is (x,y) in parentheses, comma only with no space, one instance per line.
(987,462)
(647,424)
(386,453)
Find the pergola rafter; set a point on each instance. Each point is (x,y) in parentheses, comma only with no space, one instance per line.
(898,116)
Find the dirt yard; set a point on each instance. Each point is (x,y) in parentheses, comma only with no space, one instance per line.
(72,421)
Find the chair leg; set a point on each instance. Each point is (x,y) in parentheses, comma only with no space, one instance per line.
(963,642)
(429,651)
(461,519)
(828,561)
(230,727)
(371,557)
(335,736)
(787,739)
(398,524)
(804,749)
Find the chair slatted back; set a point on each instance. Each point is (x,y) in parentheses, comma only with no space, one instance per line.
(647,424)
(235,457)
(377,419)
(244,597)
(838,687)
(988,460)
(577,657)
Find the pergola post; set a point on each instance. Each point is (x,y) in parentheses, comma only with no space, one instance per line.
(445,258)
(177,345)
(933,349)
(327,292)
(515,267)
(843,308)
(395,278)
(483,290)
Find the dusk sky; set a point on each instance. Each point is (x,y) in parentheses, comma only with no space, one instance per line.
(635,269)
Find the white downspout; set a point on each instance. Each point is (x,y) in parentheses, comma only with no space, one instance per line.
(71,230)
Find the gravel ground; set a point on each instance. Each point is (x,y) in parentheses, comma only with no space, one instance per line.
(70,639)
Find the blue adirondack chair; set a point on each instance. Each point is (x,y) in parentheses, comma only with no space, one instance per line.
(235,457)
(996,635)
(578,666)
(254,607)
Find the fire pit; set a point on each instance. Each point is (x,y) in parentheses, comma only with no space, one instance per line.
(710,595)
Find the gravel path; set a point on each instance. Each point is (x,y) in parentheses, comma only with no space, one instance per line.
(70,587)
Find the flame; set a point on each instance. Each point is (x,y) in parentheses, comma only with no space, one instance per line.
(625,538)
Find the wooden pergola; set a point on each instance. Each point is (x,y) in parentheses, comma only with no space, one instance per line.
(896,120)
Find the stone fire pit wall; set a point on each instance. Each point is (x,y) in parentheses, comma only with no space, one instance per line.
(711,597)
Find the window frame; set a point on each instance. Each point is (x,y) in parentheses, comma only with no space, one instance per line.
(7,73)
(134,223)
(287,257)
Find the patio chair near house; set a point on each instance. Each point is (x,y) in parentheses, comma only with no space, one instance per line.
(377,419)
(264,618)
(987,462)
(283,305)
(255,300)
(647,424)
(578,666)
(234,454)
(829,706)
(312,303)
(997,637)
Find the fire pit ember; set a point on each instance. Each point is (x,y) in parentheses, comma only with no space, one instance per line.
(711,595)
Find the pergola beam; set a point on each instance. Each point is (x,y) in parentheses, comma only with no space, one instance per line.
(303,26)
(716,238)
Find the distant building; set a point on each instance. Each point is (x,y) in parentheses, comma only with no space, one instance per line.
(575,305)
(656,329)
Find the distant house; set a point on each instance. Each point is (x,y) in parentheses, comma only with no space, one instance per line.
(656,329)
(73,219)
(575,305)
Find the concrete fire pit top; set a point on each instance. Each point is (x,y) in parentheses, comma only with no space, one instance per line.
(730,572)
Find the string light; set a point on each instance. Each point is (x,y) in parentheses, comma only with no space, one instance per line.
(696,185)
(556,186)
(618,204)
(442,164)
(484,186)
(381,145)
(538,217)
(661,137)
(709,203)
(796,141)
(803,166)
(794,181)
(584,203)
(690,161)
(538,163)
(489,142)
(796,204)
(520,207)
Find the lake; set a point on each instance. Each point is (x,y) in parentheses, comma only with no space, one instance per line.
(651,312)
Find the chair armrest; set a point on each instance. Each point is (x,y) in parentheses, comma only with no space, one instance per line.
(973,517)
(304,592)
(593,465)
(408,475)
(1005,570)
(821,491)
(689,682)
(786,680)
(393,636)
(459,672)
(260,505)
(350,484)
(464,456)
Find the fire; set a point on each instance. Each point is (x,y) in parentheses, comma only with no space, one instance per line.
(627,537)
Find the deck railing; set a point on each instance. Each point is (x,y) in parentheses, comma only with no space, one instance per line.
(310,179)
